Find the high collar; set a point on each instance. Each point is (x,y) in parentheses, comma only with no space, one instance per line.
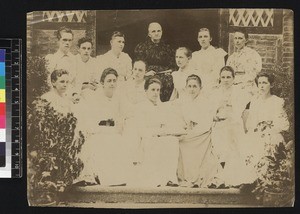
(210,48)
(158,103)
(111,53)
(61,54)
(80,59)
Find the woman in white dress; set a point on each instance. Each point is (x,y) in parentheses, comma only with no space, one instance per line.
(104,153)
(245,61)
(208,60)
(160,148)
(132,94)
(183,57)
(197,165)
(266,120)
(227,132)
(57,96)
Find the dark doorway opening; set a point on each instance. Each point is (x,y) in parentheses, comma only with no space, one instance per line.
(180,27)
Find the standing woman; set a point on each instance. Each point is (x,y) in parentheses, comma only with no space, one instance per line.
(115,58)
(245,61)
(229,104)
(266,119)
(132,94)
(182,57)
(208,60)
(104,153)
(197,165)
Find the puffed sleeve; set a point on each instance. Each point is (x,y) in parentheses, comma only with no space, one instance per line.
(219,63)
(280,120)
(254,65)
(50,65)
(100,64)
(128,66)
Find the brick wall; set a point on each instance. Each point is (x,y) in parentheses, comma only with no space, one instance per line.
(288,39)
(29,32)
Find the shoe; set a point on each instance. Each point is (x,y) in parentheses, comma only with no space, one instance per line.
(212,186)
(171,184)
(195,186)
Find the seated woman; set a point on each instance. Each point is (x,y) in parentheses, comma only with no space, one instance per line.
(57,96)
(229,104)
(160,145)
(104,154)
(132,94)
(55,135)
(183,57)
(197,165)
(266,120)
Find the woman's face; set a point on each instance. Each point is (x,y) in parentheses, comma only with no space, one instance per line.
(226,78)
(239,40)
(155,32)
(139,71)
(193,88)
(153,92)
(61,84)
(181,59)
(85,50)
(117,44)
(264,86)
(109,85)
(204,39)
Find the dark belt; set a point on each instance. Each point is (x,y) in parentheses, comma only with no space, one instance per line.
(106,123)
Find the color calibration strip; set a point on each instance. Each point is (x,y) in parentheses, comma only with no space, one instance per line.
(2,109)
(12,104)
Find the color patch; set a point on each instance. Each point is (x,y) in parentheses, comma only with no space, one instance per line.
(2,69)
(2,109)
(2,135)
(2,82)
(2,121)
(2,95)
(2,55)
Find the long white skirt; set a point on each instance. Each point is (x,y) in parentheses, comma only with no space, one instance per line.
(106,156)
(159,162)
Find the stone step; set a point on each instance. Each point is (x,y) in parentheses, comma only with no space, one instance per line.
(160,197)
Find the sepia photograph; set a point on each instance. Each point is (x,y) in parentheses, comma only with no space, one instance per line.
(161,108)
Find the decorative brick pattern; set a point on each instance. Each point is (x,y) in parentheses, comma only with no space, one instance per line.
(251,17)
(77,16)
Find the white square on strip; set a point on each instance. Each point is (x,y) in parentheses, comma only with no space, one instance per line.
(2,135)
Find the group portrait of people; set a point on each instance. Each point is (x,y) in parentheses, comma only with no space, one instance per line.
(164,116)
